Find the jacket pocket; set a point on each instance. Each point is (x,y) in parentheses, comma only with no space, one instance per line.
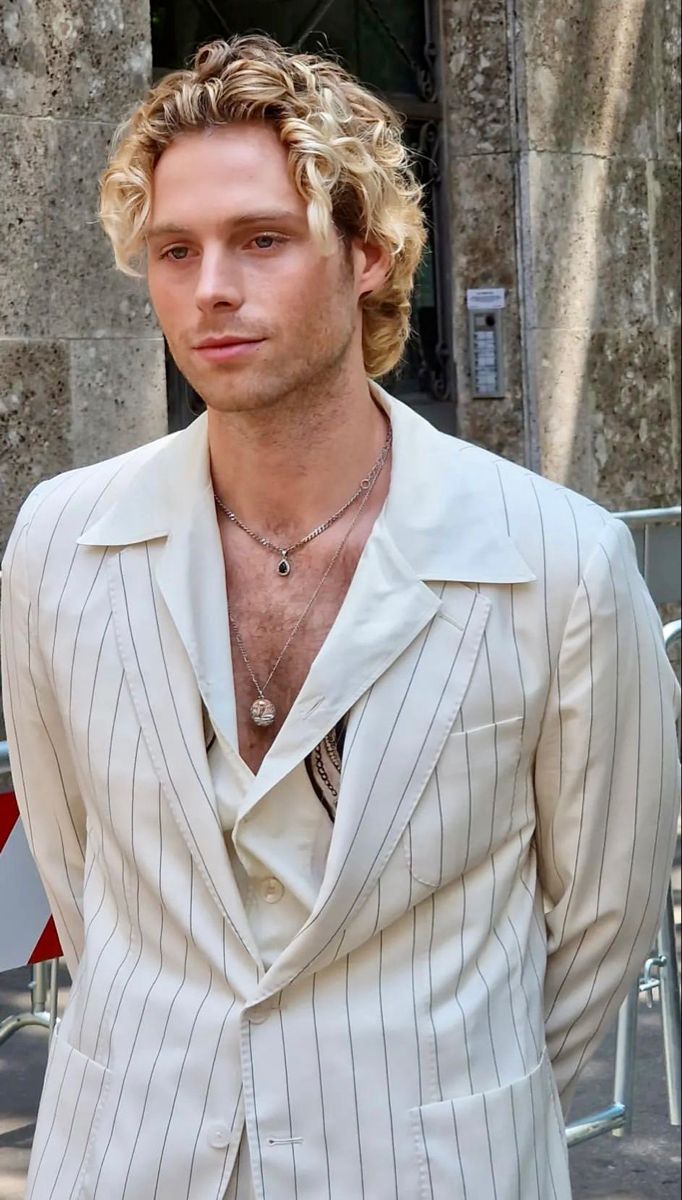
(71,1102)
(471,804)
(505,1144)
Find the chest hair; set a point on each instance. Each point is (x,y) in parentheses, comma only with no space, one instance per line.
(265,608)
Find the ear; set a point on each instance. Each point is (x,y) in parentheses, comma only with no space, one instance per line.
(372,264)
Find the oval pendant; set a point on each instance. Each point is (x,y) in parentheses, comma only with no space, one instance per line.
(262,711)
(284,567)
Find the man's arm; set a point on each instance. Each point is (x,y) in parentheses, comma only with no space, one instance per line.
(607,795)
(43,775)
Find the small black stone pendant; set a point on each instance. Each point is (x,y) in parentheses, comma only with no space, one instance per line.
(284,567)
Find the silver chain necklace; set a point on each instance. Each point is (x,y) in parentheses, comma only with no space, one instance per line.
(263,711)
(284,566)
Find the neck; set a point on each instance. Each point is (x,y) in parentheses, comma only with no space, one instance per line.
(285,469)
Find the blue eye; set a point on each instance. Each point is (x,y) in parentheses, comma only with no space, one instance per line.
(270,238)
(172,251)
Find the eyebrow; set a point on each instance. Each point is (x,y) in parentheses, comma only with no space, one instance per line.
(272,217)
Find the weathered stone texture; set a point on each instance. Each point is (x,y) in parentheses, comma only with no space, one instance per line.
(88,296)
(498,425)
(597,112)
(476,65)
(605,424)
(669,17)
(483,242)
(482,201)
(118,396)
(55,258)
(69,72)
(34,420)
(590,70)
(24,176)
(564,409)
(629,381)
(664,194)
(59,58)
(591,241)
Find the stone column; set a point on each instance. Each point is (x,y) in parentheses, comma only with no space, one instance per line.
(601,178)
(481,151)
(564,144)
(81,357)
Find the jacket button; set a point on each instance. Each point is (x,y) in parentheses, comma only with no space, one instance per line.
(218,1136)
(259,1015)
(271,890)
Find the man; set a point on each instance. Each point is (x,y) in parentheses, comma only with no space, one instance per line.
(345,749)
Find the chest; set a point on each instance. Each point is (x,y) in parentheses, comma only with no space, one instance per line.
(278,625)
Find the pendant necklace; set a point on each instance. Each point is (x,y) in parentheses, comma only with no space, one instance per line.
(263,711)
(283,552)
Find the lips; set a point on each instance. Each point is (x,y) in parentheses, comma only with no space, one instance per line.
(216,343)
(226,350)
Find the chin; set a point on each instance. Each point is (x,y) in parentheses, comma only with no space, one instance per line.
(240,396)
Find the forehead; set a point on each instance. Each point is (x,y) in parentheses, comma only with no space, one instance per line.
(221,170)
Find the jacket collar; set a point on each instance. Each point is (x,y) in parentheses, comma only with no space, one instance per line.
(454,530)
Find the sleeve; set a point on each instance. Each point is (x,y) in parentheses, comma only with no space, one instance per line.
(607,796)
(43,776)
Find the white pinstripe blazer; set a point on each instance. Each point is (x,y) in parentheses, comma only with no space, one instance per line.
(497,868)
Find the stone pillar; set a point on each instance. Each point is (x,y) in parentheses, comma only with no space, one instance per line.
(81,357)
(603,262)
(481,152)
(564,142)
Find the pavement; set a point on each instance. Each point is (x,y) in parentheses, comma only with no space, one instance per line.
(641,1166)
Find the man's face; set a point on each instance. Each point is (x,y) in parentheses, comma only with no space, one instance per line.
(230,255)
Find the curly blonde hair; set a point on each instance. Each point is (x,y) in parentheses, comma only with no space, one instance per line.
(346,159)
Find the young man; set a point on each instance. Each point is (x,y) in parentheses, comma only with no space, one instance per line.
(346,750)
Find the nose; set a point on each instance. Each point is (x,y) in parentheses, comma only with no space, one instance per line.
(218,282)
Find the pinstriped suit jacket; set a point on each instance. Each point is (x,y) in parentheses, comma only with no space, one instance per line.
(496,874)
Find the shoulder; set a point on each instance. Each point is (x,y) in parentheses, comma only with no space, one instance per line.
(549,522)
(564,536)
(478,498)
(63,504)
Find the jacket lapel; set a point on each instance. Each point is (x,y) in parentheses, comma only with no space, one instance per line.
(395,735)
(402,652)
(163,688)
(384,610)
(162,580)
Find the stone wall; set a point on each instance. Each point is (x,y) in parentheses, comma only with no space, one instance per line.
(480,130)
(565,169)
(81,358)
(563,135)
(563,132)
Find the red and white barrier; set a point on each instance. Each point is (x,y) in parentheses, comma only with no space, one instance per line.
(27,930)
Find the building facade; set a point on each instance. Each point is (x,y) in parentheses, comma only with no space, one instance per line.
(548,132)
